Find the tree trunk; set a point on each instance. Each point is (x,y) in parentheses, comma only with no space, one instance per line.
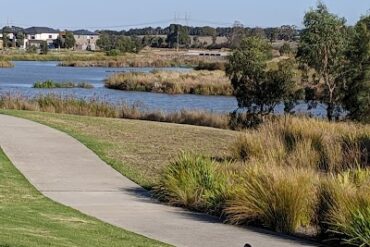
(330,111)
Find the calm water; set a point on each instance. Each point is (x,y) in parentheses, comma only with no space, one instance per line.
(19,81)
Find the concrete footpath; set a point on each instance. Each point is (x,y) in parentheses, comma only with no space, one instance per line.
(66,171)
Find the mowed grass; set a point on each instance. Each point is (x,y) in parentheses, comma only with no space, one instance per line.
(29,219)
(140,150)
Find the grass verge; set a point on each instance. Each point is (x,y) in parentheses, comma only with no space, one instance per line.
(138,149)
(197,82)
(29,219)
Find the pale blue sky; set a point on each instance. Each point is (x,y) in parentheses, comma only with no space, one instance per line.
(119,14)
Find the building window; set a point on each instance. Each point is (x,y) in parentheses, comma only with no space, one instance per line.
(50,36)
(32,37)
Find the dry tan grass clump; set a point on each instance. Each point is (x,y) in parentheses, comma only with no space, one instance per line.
(6,64)
(282,199)
(304,142)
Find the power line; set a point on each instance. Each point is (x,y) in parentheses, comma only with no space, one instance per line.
(177,20)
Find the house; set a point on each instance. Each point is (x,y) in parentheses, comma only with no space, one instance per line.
(85,40)
(36,35)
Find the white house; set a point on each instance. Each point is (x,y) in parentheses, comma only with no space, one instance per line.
(35,35)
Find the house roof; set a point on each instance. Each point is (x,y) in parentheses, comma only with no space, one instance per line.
(84,32)
(37,30)
(12,29)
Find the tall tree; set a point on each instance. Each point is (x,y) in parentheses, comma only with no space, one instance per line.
(237,34)
(322,47)
(357,90)
(44,48)
(69,40)
(178,36)
(257,89)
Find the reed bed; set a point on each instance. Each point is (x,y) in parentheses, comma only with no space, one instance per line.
(49,84)
(146,60)
(196,82)
(97,108)
(54,56)
(6,64)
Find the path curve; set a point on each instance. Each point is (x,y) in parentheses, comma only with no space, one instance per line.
(66,171)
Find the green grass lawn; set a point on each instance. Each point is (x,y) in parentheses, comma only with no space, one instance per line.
(137,149)
(29,219)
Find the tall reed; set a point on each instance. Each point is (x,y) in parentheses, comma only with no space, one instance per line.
(197,82)
(97,108)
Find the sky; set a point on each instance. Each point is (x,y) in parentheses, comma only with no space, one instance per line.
(123,14)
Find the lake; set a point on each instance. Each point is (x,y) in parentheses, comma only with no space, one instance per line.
(20,79)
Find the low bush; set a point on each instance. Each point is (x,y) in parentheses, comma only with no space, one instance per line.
(194,182)
(212,66)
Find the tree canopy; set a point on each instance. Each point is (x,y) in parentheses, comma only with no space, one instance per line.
(258,89)
(323,44)
(357,90)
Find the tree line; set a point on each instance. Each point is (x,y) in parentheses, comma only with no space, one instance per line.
(333,61)
(286,32)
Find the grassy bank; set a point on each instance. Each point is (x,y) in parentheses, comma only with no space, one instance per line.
(297,176)
(56,104)
(197,82)
(52,84)
(147,58)
(29,219)
(53,56)
(140,60)
(137,149)
(6,64)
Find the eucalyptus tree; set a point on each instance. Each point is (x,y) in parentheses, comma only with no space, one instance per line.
(257,88)
(357,90)
(323,45)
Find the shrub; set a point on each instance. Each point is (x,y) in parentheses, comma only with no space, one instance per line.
(275,197)
(345,207)
(285,49)
(113,53)
(211,66)
(194,182)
